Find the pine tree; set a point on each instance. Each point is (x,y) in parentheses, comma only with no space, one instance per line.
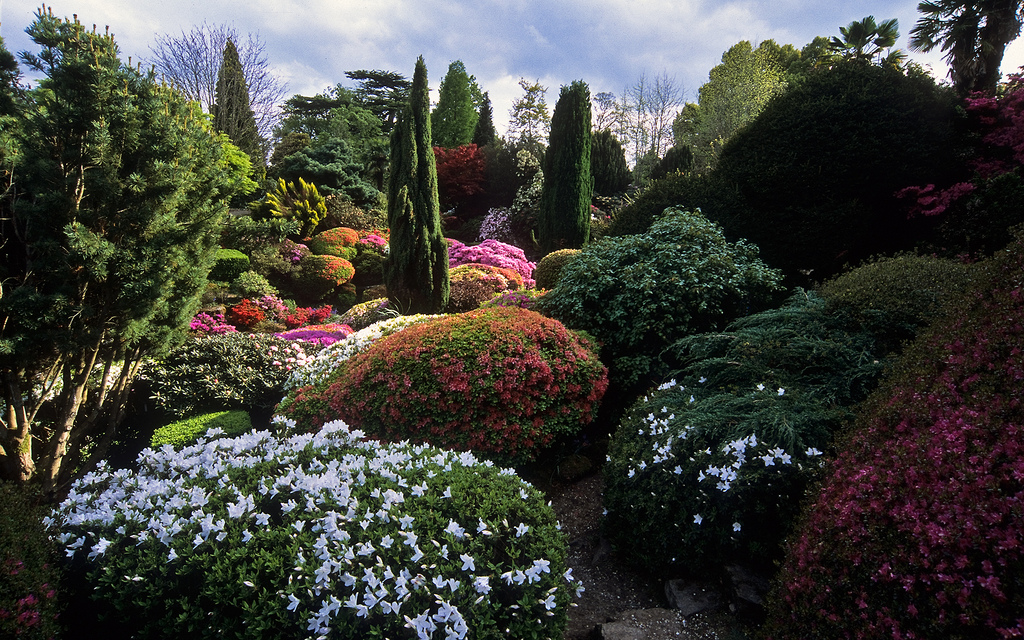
(232,112)
(565,201)
(416,271)
(454,119)
(485,134)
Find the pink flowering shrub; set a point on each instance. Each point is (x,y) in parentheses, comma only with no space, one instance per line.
(321,334)
(919,531)
(494,253)
(500,382)
(210,324)
(474,284)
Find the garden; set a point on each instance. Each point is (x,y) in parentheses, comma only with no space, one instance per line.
(337,412)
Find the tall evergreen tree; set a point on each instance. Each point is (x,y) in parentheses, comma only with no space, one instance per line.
(454,119)
(485,134)
(416,270)
(232,111)
(382,92)
(529,121)
(608,164)
(564,221)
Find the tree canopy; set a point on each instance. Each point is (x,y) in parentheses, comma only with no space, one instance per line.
(454,119)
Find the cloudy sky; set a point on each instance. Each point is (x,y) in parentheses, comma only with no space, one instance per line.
(607,43)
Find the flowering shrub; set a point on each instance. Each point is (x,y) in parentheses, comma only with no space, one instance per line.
(318,535)
(293,252)
(917,530)
(375,238)
(322,334)
(494,253)
(206,323)
(252,285)
(181,433)
(303,316)
(321,275)
(339,242)
(474,284)
(549,269)
(503,382)
(246,314)
(524,299)
(29,604)
(366,313)
(229,371)
(497,225)
(318,368)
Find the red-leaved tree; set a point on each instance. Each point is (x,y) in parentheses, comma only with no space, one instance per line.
(460,180)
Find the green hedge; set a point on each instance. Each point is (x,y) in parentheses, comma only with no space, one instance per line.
(230,264)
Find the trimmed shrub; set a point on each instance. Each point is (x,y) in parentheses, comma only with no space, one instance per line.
(524,299)
(916,532)
(229,371)
(29,578)
(250,284)
(494,253)
(549,269)
(182,433)
(366,313)
(230,264)
(321,275)
(474,284)
(712,470)
(501,382)
(322,535)
(369,265)
(339,242)
(639,294)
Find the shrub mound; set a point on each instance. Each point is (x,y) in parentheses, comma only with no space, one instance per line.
(712,470)
(639,294)
(321,334)
(321,275)
(250,284)
(182,433)
(917,532)
(525,299)
(339,242)
(366,313)
(494,253)
(321,535)
(230,264)
(549,269)
(503,382)
(473,284)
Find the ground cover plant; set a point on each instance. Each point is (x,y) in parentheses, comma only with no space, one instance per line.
(188,430)
(917,530)
(502,382)
(316,535)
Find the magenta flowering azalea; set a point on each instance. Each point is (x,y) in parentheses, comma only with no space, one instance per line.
(493,253)
(321,334)
(212,324)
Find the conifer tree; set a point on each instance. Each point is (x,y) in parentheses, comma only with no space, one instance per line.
(485,134)
(416,271)
(608,164)
(455,117)
(232,112)
(564,221)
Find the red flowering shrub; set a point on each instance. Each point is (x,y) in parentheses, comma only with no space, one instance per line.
(500,382)
(918,532)
(303,316)
(475,284)
(321,275)
(246,314)
(339,242)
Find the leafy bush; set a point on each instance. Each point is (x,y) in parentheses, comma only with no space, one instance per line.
(29,578)
(339,242)
(916,532)
(244,232)
(322,535)
(322,275)
(366,313)
(713,470)
(182,433)
(250,284)
(369,266)
(474,284)
(302,316)
(213,373)
(344,213)
(686,191)
(550,267)
(639,294)
(525,299)
(502,382)
(206,323)
(230,264)
(494,253)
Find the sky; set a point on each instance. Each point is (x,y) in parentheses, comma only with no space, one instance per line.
(607,43)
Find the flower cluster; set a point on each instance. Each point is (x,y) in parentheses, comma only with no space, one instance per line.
(497,225)
(375,238)
(246,314)
(473,284)
(303,316)
(494,253)
(501,382)
(322,334)
(326,533)
(293,252)
(206,323)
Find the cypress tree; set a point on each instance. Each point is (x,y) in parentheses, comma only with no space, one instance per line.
(416,271)
(608,164)
(232,112)
(564,220)
(485,134)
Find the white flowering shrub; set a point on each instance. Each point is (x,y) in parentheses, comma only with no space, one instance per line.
(318,536)
(318,368)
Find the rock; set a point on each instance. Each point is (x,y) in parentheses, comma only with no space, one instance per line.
(691,597)
(644,624)
(749,589)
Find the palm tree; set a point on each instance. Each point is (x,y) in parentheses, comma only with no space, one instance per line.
(866,40)
(974,36)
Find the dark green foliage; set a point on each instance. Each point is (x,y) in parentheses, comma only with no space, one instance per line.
(676,159)
(245,232)
(230,264)
(382,92)
(9,77)
(183,433)
(549,269)
(291,143)
(29,577)
(485,134)
(416,271)
(453,121)
(332,167)
(980,223)
(564,219)
(608,164)
(639,294)
(214,373)
(818,170)
(674,190)
(232,111)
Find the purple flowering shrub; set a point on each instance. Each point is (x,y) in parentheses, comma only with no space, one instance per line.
(918,531)
(321,334)
(210,323)
(494,253)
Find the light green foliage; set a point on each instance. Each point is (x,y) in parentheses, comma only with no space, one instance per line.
(122,190)
(239,168)
(295,201)
(250,284)
(230,264)
(638,294)
(183,433)
(245,232)
(416,271)
(549,269)
(529,120)
(453,121)
(564,218)
(276,542)
(736,91)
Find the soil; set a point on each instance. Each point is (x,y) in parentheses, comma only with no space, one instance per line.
(615,590)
